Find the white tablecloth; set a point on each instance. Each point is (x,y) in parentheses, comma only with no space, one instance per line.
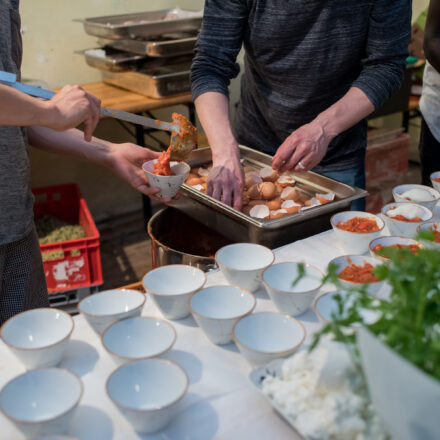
(221,402)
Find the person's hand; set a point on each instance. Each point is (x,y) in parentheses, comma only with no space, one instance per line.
(226,179)
(126,161)
(72,106)
(303,149)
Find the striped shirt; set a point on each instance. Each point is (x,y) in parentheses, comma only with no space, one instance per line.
(301,56)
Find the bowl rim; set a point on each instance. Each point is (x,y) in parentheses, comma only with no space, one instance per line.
(422,225)
(237,288)
(175,364)
(33,422)
(286,292)
(352,283)
(15,347)
(244,270)
(432,174)
(388,205)
(316,300)
(417,185)
(237,342)
(400,237)
(152,292)
(173,341)
(173,163)
(381,220)
(100,315)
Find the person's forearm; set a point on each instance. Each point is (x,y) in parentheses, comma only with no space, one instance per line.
(213,111)
(70,143)
(432,35)
(343,114)
(19,109)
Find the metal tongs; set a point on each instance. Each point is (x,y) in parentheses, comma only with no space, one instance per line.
(181,144)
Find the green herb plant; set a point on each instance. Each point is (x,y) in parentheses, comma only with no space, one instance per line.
(408,321)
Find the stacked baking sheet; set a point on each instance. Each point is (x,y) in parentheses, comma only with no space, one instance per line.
(148,52)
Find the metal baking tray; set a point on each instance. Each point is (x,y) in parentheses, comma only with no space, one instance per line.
(156,81)
(114,60)
(165,46)
(240,227)
(143,24)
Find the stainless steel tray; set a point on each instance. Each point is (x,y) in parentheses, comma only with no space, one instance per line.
(114,60)
(158,48)
(143,24)
(156,82)
(237,226)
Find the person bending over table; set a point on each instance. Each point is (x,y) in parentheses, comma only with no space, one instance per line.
(314,70)
(430,101)
(47,125)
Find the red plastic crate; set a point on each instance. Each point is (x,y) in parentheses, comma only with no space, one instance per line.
(80,264)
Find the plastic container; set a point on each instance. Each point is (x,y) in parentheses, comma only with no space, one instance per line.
(71,264)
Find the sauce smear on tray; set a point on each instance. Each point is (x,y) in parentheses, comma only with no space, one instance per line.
(359,224)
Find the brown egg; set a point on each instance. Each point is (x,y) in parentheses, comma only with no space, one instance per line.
(256,202)
(246,209)
(245,198)
(274,204)
(204,179)
(285,181)
(291,207)
(191,176)
(290,193)
(267,190)
(308,202)
(194,181)
(254,192)
(202,172)
(248,170)
(251,179)
(260,211)
(279,189)
(278,213)
(268,174)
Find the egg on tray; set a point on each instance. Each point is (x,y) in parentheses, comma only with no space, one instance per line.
(269,175)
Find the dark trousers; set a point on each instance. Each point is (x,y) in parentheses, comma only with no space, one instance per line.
(429,149)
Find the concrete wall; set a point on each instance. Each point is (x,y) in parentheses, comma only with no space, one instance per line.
(50,39)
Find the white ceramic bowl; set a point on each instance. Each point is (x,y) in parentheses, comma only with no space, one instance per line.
(146,392)
(293,300)
(430,226)
(399,190)
(168,185)
(355,242)
(402,228)
(263,337)
(216,309)
(358,260)
(171,286)
(41,402)
(435,184)
(138,338)
(243,263)
(389,241)
(38,337)
(104,308)
(325,306)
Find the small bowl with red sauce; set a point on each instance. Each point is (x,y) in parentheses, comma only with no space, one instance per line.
(168,184)
(435,180)
(419,194)
(403,219)
(394,242)
(356,270)
(435,228)
(355,230)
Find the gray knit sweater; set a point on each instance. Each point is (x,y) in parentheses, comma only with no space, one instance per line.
(300,57)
